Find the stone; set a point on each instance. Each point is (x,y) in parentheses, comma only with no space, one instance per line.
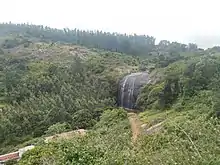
(129,89)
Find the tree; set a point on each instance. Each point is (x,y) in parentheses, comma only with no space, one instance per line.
(57,128)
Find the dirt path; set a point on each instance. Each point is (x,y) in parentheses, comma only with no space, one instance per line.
(135,125)
(138,127)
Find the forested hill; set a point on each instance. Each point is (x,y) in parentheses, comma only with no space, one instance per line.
(139,45)
(54,81)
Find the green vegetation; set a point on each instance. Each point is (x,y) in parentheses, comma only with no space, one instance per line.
(57,128)
(108,143)
(53,81)
(42,93)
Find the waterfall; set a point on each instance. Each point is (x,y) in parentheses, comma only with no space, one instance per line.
(132,93)
(129,88)
(122,91)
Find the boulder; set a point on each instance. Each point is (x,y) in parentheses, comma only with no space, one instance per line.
(129,88)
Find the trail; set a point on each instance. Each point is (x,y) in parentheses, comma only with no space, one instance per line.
(135,125)
(138,127)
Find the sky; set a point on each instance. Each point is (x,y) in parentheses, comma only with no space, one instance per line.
(175,20)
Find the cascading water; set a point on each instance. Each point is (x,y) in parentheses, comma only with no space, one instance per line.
(123,89)
(129,88)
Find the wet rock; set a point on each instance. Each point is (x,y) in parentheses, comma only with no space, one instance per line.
(129,88)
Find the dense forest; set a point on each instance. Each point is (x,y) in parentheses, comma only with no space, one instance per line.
(53,81)
(138,45)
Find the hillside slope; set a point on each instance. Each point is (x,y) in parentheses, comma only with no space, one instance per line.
(47,84)
(51,82)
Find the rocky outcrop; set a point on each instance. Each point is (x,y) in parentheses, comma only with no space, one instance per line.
(129,88)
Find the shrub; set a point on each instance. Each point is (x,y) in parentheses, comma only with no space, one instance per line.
(111,117)
(57,128)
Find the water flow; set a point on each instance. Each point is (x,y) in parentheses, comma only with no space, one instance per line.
(122,91)
(132,92)
(129,88)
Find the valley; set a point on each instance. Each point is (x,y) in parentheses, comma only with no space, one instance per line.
(139,102)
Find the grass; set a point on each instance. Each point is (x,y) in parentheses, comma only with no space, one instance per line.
(188,137)
(153,117)
(105,144)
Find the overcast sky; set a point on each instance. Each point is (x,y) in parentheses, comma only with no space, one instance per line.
(180,20)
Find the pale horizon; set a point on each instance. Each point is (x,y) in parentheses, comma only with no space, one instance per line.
(174,20)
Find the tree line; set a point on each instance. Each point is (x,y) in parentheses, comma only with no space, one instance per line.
(139,45)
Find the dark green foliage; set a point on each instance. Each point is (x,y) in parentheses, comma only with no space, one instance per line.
(111,117)
(2,82)
(150,96)
(138,45)
(57,128)
(11,162)
(182,80)
(97,147)
(131,44)
(40,155)
(45,91)
(10,43)
(185,139)
(41,94)
(14,42)
(36,93)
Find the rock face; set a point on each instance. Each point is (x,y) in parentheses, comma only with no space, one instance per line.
(129,88)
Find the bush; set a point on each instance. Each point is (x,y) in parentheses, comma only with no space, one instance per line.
(96,148)
(150,96)
(83,119)
(57,128)
(41,155)
(111,117)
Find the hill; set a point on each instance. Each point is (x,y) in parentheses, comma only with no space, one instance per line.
(45,75)
(54,81)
